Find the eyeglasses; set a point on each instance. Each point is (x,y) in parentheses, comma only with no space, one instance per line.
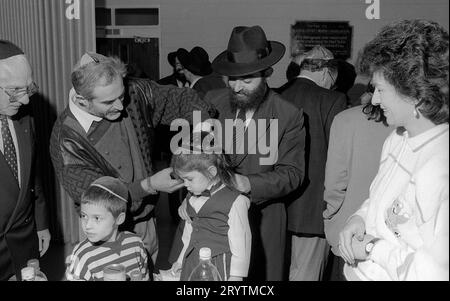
(15,94)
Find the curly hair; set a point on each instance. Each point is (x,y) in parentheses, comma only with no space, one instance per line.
(412,55)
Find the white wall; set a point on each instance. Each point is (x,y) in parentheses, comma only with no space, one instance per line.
(208,23)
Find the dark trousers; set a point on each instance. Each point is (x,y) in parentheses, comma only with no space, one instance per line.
(268,226)
(336,265)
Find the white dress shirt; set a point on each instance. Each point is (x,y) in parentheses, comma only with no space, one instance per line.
(84,118)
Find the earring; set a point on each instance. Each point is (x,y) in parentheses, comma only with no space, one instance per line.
(416,113)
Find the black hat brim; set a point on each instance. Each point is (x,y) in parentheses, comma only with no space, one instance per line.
(185,59)
(223,66)
(171,58)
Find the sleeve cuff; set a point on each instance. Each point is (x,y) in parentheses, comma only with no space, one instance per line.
(239,267)
(138,192)
(379,251)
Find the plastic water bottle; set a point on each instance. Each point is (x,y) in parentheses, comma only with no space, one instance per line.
(114,272)
(27,274)
(39,275)
(135,275)
(205,270)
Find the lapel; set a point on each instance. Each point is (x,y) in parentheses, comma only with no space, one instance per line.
(22,130)
(264,112)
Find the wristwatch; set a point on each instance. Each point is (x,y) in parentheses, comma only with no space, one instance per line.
(370,245)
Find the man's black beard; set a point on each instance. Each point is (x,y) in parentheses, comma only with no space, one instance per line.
(253,100)
(180,77)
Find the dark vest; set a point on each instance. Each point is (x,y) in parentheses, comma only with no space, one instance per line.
(210,224)
(115,151)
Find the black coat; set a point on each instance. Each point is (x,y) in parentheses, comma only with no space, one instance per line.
(208,83)
(22,210)
(319,106)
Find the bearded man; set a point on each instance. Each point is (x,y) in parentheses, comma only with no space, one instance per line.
(248,100)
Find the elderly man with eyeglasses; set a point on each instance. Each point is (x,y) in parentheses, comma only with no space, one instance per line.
(24,230)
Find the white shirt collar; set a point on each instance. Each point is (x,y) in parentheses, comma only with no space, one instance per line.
(426,137)
(307,77)
(194,82)
(84,118)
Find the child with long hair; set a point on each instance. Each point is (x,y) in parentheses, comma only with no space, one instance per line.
(218,212)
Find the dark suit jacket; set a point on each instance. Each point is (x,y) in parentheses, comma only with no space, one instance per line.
(22,210)
(208,83)
(319,105)
(168,80)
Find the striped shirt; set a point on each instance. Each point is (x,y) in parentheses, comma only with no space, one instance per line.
(88,260)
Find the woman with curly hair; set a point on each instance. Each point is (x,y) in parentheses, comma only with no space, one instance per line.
(401,232)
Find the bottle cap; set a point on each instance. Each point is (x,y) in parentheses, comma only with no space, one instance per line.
(205,253)
(135,275)
(114,272)
(33,263)
(27,273)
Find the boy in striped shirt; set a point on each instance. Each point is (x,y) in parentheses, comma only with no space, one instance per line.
(103,207)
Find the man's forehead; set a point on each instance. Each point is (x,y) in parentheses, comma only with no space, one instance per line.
(15,71)
(104,92)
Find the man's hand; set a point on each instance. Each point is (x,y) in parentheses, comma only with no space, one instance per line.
(242,183)
(161,181)
(44,241)
(354,227)
(182,212)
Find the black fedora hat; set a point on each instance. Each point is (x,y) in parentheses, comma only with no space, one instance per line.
(172,55)
(248,52)
(196,61)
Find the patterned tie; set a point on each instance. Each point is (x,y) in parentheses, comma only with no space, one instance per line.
(238,137)
(9,151)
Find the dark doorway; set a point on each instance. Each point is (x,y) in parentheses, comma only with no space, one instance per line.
(139,53)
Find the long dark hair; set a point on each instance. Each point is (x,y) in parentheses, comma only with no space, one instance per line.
(372,112)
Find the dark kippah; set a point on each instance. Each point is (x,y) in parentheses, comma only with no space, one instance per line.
(8,49)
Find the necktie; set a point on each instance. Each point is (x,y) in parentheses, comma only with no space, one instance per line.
(238,137)
(9,151)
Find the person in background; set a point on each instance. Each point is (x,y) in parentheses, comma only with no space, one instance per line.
(24,230)
(346,75)
(401,232)
(103,210)
(198,72)
(310,92)
(356,139)
(218,213)
(177,77)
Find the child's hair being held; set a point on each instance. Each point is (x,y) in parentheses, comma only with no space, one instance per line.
(103,210)
(218,214)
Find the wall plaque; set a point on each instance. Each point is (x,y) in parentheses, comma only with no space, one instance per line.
(336,36)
